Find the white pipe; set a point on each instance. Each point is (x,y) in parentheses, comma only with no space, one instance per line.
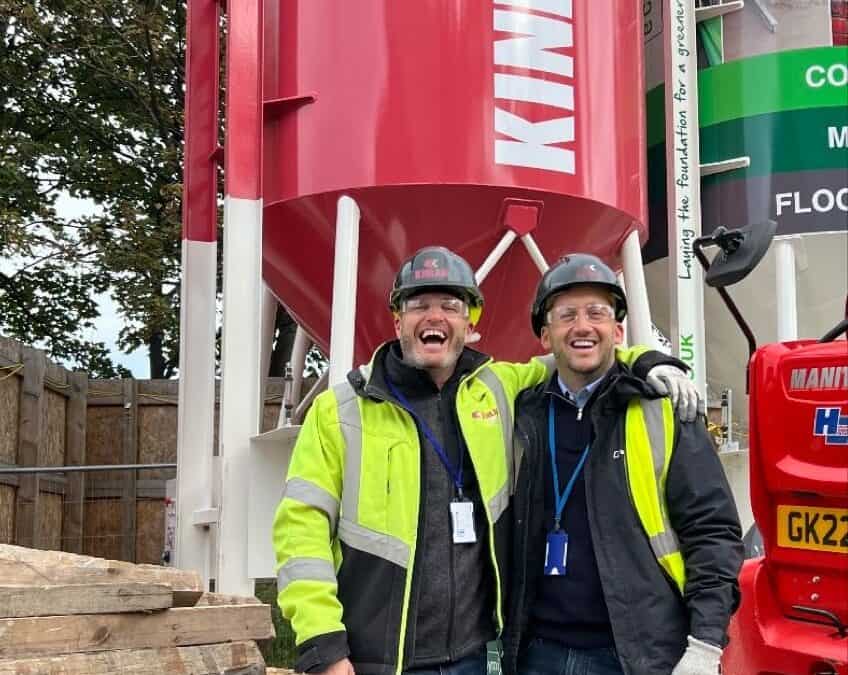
(196,409)
(628,339)
(241,405)
(343,315)
(496,254)
(319,386)
(535,253)
(300,348)
(787,299)
(638,308)
(683,187)
(302,343)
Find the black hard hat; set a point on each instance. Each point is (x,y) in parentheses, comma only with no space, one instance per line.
(435,268)
(575,269)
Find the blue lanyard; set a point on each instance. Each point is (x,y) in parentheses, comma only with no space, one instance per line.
(561,499)
(455,474)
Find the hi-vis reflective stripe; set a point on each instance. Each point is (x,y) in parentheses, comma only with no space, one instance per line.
(649,436)
(350,421)
(504,411)
(376,543)
(309,493)
(664,543)
(305,569)
(498,503)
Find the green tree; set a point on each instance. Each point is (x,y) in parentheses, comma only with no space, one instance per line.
(92,98)
(92,94)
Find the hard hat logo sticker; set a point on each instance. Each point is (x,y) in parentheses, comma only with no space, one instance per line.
(431,269)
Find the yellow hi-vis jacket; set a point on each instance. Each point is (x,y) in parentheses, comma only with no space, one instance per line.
(649,439)
(345,531)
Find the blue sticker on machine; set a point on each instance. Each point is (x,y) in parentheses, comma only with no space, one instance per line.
(832,424)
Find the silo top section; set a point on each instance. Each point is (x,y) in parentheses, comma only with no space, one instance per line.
(537,94)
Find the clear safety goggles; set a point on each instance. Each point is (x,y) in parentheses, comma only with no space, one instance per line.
(596,313)
(449,306)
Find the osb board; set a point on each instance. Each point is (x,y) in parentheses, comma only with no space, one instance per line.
(24,510)
(49,526)
(104,439)
(150,530)
(270,415)
(51,451)
(102,537)
(7,514)
(10,412)
(157,439)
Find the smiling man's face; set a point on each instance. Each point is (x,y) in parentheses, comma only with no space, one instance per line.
(584,348)
(431,328)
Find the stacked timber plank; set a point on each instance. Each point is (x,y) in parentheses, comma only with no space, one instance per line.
(67,614)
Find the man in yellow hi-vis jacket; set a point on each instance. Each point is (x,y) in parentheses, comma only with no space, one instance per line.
(392,540)
(627,541)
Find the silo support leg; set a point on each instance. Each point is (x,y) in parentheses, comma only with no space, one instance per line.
(345,265)
(639,310)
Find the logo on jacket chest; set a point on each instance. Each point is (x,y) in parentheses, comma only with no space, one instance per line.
(490,416)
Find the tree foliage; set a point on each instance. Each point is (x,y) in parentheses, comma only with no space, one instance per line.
(92,95)
(92,105)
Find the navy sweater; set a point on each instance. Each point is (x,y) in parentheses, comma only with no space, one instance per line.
(570,609)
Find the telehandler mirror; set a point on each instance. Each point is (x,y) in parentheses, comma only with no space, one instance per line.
(740,252)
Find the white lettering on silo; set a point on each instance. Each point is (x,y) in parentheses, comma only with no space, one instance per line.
(534,144)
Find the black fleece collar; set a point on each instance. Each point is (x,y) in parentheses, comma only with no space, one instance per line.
(388,359)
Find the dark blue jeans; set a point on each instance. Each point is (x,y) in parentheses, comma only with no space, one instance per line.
(475,664)
(545,657)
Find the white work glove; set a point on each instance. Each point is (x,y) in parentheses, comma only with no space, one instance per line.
(674,383)
(700,658)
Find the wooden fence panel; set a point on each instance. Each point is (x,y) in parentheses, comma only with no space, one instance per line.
(10,399)
(10,414)
(30,436)
(50,416)
(75,455)
(129,443)
(7,514)
(103,519)
(150,542)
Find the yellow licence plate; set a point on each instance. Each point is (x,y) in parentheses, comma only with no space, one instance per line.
(817,529)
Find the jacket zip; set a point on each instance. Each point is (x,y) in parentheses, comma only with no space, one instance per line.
(530,473)
(374,393)
(449,647)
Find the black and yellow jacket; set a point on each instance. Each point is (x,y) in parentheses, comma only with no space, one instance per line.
(661,580)
(347,528)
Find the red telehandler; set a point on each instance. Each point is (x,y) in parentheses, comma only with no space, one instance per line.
(793,619)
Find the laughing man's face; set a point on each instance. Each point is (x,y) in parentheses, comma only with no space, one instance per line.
(584,350)
(431,328)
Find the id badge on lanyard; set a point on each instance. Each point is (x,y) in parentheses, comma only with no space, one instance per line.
(556,544)
(461,509)
(556,553)
(462,522)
